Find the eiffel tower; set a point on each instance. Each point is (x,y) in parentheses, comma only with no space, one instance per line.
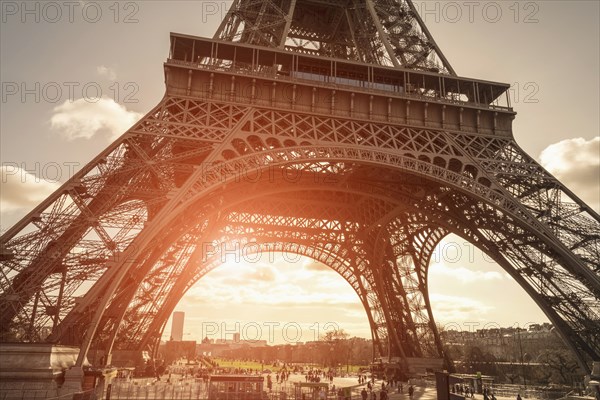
(333,129)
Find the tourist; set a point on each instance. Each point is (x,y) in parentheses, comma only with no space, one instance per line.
(364,394)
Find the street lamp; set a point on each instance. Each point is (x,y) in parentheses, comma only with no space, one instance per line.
(332,351)
(521,351)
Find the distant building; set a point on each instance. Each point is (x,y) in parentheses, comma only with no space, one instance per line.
(177,327)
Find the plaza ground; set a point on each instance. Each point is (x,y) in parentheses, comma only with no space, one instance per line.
(191,388)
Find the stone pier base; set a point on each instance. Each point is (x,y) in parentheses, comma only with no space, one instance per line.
(36,370)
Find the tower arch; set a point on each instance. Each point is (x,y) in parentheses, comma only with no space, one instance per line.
(378,138)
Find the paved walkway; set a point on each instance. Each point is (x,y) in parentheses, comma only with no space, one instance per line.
(420,392)
(148,389)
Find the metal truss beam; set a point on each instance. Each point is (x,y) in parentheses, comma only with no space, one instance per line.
(367,182)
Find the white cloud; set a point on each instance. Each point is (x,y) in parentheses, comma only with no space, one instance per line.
(462,274)
(316,266)
(107,72)
(278,284)
(262,273)
(576,163)
(453,309)
(20,190)
(262,292)
(83,118)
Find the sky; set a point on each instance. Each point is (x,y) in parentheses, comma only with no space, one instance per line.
(76,75)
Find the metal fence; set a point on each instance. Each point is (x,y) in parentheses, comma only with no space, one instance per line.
(147,389)
(46,394)
(531,393)
(189,389)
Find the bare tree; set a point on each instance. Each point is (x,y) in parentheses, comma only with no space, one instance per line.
(562,362)
(337,341)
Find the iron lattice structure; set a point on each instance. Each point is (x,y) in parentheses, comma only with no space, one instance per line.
(335,129)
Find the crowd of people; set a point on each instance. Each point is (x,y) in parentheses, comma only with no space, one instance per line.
(203,369)
(463,390)
(368,392)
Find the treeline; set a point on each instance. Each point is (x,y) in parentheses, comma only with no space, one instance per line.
(337,352)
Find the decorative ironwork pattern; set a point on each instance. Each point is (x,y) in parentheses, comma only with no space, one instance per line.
(104,260)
